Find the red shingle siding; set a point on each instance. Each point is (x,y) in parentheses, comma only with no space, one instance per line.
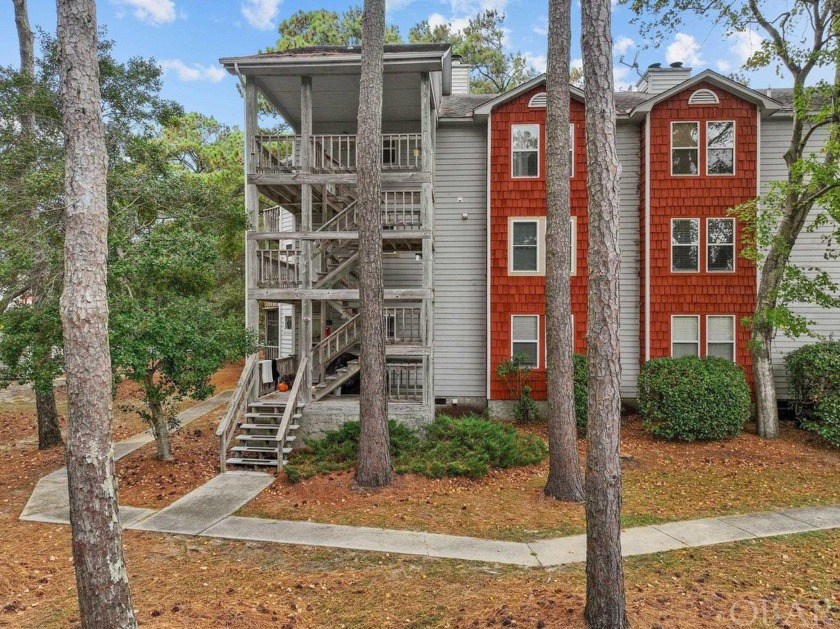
(510,295)
(698,196)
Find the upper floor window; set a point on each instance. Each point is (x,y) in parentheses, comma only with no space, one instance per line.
(571,150)
(720,147)
(720,336)
(527,245)
(525,339)
(685,148)
(525,150)
(685,244)
(720,244)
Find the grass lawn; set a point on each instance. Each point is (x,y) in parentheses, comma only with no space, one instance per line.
(662,482)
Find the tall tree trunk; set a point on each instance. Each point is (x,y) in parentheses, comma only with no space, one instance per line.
(605,601)
(160,427)
(49,432)
(101,578)
(374,461)
(564,478)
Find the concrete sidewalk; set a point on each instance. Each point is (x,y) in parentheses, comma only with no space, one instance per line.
(207,512)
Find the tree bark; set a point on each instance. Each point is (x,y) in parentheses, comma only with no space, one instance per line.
(26,45)
(605,600)
(564,477)
(101,578)
(160,428)
(374,459)
(49,432)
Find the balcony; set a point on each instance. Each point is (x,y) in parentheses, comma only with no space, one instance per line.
(276,153)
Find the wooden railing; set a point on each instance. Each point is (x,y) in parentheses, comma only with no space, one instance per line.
(275,153)
(271,219)
(243,394)
(401,209)
(277,266)
(335,344)
(405,382)
(289,412)
(402,324)
(343,221)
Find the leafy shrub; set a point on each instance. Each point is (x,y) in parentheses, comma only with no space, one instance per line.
(581,392)
(468,446)
(516,374)
(814,376)
(689,399)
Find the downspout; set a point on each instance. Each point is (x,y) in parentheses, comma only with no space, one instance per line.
(647,237)
(487,229)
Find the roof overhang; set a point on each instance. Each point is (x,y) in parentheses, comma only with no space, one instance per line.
(765,103)
(485,109)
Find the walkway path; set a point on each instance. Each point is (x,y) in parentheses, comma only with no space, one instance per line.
(207,512)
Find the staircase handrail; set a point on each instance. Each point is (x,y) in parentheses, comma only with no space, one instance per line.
(340,339)
(237,404)
(291,408)
(333,223)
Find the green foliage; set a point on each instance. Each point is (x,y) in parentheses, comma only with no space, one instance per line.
(322,27)
(690,399)
(581,379)
(516,374)
(469,446)
(482,45)
(814,376)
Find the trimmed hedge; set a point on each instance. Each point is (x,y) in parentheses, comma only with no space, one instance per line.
(814,377)
(692,399)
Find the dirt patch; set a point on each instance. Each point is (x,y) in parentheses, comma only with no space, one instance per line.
(662,482)
(145,481)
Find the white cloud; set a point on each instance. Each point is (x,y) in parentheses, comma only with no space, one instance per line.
(193,72)
(684,48)
(577,63)
(723,65)
(540,27)
(154,12)
(623,44)
(538,62)
(260,13)
(456,24)
(744,44)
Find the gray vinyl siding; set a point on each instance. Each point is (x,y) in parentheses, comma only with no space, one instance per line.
(807,252)
(402,270)
(627,140)
(460,270)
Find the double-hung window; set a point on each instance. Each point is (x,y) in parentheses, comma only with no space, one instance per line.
(720,147)
(527,246)
(525,150)
(720,336)
(525,339)
(685,335)
(685,244)
(720,244)
(685,148)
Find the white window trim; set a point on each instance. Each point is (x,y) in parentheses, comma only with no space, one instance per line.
(571,149)
(697,342)
(513,150)
(733,342)
(574,239)
(513,340)
(540,221)
(734,241)
(671,240)
(734,147)
(671,152)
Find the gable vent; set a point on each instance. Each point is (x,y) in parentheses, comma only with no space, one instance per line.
(537,101)
(703,97)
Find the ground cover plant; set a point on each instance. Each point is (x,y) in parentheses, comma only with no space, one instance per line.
(814,374)
(691,399)
(467,446)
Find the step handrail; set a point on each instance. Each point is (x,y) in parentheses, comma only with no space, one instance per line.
(237,404)
(341,339)
(291,408)
(332,224)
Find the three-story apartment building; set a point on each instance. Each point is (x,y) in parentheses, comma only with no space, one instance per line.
(463,224)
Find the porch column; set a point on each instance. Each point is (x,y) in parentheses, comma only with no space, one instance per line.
(252,205)
(306,226)
(428,248)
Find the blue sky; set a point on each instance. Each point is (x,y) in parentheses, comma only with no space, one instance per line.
(187,37)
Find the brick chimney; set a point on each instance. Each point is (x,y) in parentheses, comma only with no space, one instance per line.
(658,79)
